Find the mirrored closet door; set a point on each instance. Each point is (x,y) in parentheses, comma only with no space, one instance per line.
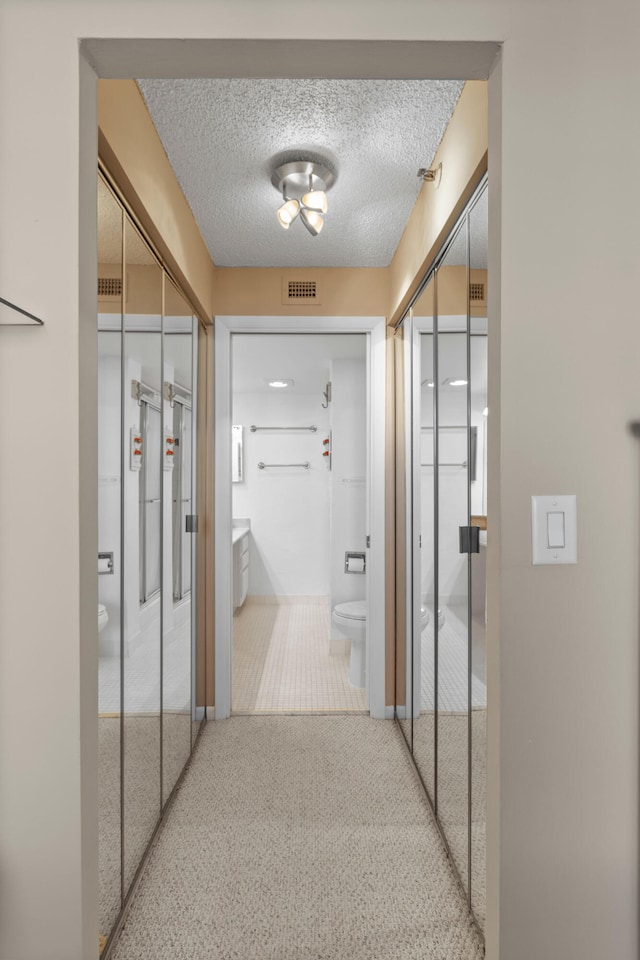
(147,419)
(442,703)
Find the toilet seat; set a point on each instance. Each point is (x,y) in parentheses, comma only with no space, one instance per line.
(352,610)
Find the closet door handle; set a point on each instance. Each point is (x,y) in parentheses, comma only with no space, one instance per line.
(469,539)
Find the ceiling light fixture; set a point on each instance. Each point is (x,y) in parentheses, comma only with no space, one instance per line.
(279,384)
(303,185)
(456,383)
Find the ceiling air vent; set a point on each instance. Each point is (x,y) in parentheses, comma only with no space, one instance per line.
(300,291)
(476,292)
(109,288)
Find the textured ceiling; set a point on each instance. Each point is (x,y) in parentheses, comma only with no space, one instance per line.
(222,138)
(304,359)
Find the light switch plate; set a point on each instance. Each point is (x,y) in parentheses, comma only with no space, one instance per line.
(542,529)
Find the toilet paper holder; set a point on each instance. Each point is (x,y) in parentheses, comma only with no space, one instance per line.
(105,563)
(355,562)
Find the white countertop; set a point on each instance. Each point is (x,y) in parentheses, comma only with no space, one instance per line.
(237,533)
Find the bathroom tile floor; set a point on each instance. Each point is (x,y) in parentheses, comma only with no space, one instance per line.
(284,661)
(453,659)
(142,674)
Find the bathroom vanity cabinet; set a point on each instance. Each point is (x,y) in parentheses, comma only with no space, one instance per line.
(240,536)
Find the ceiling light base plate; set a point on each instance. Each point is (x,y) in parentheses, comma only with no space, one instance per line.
(295,177)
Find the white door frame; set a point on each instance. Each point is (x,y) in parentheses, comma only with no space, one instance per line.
(224,327)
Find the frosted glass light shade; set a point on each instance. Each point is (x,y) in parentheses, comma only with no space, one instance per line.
(315,200)
(313,221)
(288,212)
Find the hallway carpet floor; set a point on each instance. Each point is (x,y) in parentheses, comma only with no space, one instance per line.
(299,838)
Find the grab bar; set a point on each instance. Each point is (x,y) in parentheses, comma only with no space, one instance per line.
(265,466)
(312,428)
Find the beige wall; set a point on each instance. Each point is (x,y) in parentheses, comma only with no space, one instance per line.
(132,152)
(343,292)
(463,156)
(563,642)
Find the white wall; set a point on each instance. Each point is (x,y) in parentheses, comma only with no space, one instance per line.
(563,790)
(288,507)
(348,415)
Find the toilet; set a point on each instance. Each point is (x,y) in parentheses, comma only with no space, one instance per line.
(103,617)
(351,620)
(425,618)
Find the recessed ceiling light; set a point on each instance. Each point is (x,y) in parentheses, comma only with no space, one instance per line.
(427,383)
(456,383)
(279,384)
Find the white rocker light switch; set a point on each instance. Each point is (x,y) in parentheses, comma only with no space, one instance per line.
(554,529)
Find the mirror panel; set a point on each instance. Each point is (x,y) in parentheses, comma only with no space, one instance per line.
(146,383)
(424,583)
(453,444)
(237,461)
(479,413)
(178,479)
(404,526)
(444,452)
(110,222)
(143,470)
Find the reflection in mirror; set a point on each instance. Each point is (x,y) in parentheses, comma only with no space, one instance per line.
(403,367)
(146,571)
(178,477)
(109,519)
(452,493)
(479,414)
(143,461)
(424,573)
(444,451)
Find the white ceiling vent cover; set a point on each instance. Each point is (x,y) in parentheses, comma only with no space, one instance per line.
(300,291)
(109,288)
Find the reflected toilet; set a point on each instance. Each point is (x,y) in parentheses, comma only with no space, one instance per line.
(425,618)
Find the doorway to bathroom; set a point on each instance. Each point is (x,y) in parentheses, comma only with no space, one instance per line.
(299,515)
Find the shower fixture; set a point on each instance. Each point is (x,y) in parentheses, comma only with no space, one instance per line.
(326,393)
